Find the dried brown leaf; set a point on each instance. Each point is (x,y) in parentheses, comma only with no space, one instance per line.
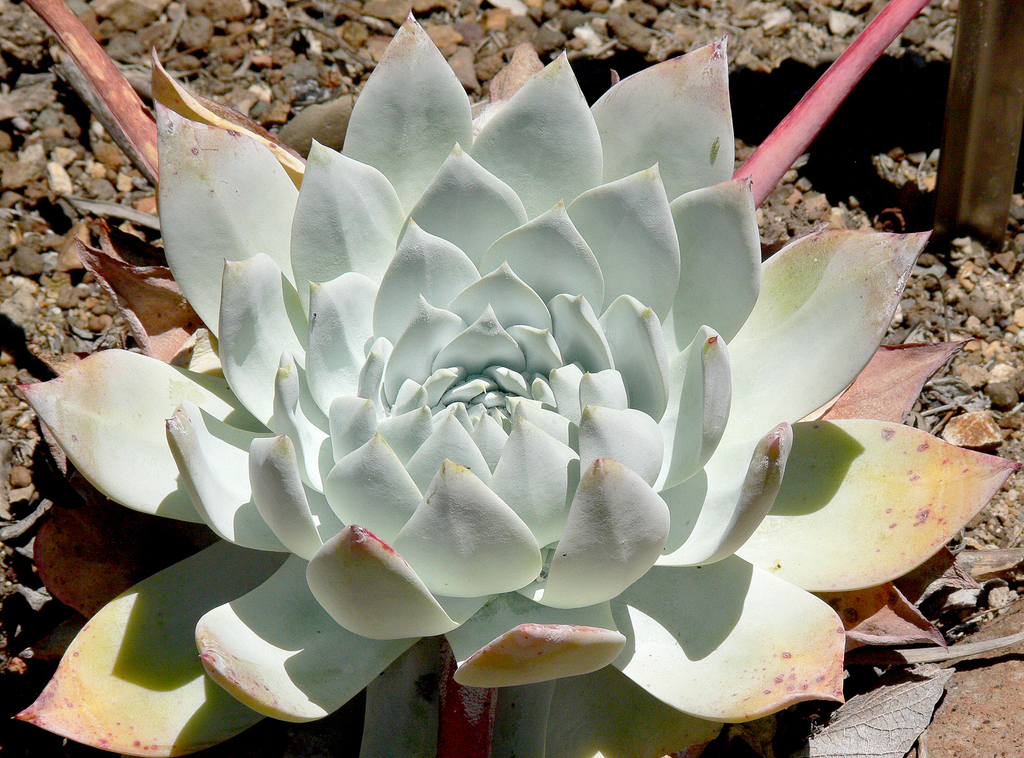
(939,575)
(885,722)
(912,655)
(987,562)
(881,616)
(157,313)
(126,111)
(89,553)
(888,386)
(168,92)
(128,248)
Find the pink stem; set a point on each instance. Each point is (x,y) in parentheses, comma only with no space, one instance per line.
(798,129)
(116,93)
(466,720)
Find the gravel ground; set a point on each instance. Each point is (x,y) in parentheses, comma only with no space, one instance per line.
(294,66)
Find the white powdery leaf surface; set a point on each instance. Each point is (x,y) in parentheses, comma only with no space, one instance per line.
(885,722)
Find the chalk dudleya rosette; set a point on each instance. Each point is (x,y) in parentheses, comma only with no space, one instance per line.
(517,377)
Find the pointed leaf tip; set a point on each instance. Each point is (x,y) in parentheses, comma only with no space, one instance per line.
(616,529)
(368,588)
(851,483)
(137,657)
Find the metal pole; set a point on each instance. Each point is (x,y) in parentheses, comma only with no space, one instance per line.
(984,118)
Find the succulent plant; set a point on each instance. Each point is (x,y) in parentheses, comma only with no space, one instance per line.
(516,377)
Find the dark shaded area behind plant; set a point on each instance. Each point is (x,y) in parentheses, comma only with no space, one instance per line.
(899,104)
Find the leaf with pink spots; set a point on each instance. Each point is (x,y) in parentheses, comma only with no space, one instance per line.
(856,483)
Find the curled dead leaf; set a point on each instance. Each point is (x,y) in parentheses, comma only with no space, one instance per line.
(885,722)
(167,91)
(152,304)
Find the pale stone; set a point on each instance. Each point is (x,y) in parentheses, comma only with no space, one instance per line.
(1002,372)
(60,182)
(34,153)
(976,431)
(146,205)
(65,156)
(841,24)
(974,375)
(779,19)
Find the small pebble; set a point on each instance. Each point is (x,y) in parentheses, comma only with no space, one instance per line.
(16,666)
(445,37)
(394,11)
(1003,396)
(841,24)
(68,297)
(100,323)
(976,431)
(462,64)
(20,477)
(57,176)
(777,21)
(63,155)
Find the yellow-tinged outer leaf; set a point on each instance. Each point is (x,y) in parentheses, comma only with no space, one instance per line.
(168,92)
(132,681)
(864,502)
(728,641)
(107,413)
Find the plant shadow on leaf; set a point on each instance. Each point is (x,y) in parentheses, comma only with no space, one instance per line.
(292,621)
(821,457)
(240,418)
(608,712)
(290,604)
(158,649)
(685,501)
(220,718)
(247,524)
(326,663)
(706,605)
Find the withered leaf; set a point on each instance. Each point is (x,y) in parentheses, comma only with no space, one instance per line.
(88,553)
(888,386)
(151,302)
(885,722)
(881,616)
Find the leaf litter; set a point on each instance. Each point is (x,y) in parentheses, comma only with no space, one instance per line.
(885,722)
